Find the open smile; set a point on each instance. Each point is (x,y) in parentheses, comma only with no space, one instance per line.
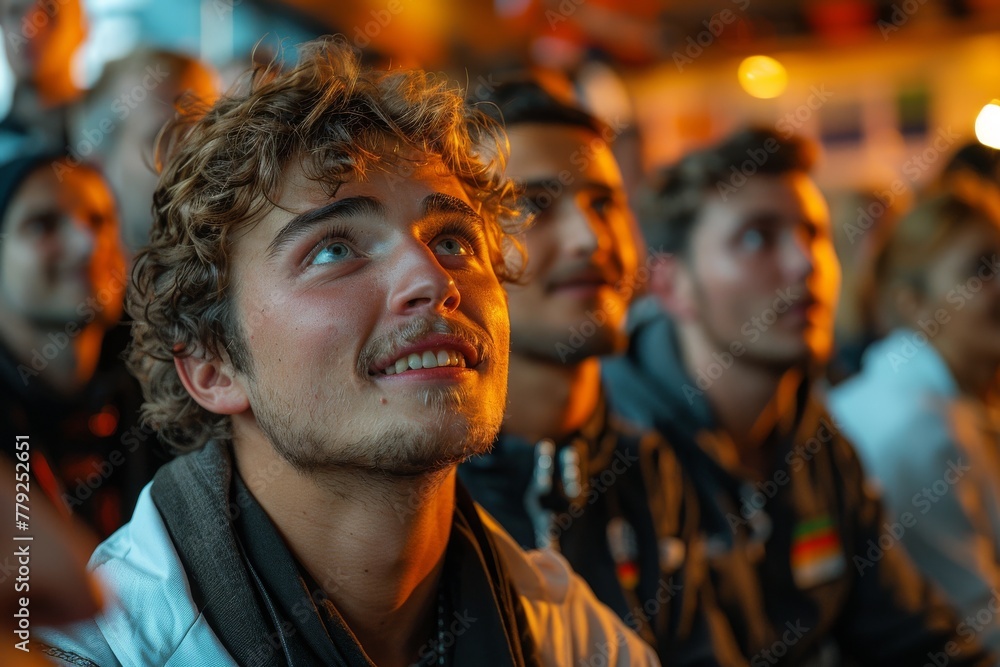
(436,351)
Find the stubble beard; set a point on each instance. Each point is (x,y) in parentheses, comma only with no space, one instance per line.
(451,432)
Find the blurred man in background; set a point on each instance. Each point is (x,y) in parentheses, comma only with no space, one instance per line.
(793,539)
(120,117)
(40,39)
(61,285)
(564,473)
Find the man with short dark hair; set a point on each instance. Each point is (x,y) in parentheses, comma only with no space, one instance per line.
(803,567)
(61,382)
(564,473)
(320,322)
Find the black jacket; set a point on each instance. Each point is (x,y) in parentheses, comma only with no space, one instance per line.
(89,452)
(613,500)
(784,552)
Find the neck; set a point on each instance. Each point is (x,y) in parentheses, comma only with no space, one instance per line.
(63,358)
(375,544)
(549,399)
(747,399)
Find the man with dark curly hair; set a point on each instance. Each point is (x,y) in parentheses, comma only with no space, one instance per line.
(320,323)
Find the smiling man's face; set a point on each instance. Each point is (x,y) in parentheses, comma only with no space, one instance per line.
(580,247)
(375,322)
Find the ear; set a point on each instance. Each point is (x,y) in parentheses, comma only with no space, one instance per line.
(213,384)
(672,285)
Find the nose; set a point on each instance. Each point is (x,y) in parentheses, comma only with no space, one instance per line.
(799,258)
(420,283)
(80,238)
(583,232)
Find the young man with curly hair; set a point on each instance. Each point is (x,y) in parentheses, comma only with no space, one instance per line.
(320,322)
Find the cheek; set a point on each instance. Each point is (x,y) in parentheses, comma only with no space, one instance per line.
(541,248)
(22,264)
(736,281)
(626,247)
(487,304)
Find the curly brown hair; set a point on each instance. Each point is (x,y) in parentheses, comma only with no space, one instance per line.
(222,168)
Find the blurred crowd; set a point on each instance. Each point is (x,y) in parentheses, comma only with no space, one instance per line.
(712,384)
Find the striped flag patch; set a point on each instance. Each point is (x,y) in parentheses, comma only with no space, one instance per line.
(817,556)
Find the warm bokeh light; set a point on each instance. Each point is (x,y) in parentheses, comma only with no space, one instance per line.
(988,125)
(104,422)
(763,77)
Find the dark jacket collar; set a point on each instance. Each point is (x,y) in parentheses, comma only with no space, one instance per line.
(236,562)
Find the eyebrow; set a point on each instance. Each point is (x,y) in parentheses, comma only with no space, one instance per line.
(349,207)
(440,203)
(437,203)
(769,218)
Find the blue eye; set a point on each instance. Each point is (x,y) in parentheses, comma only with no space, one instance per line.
(450,245)
(752,239)
(334,251)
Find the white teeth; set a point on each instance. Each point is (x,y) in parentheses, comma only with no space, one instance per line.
(426,359)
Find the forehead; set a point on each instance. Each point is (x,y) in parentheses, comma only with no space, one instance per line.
(783,199)
(543,150)
(72,187)
(412,178)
